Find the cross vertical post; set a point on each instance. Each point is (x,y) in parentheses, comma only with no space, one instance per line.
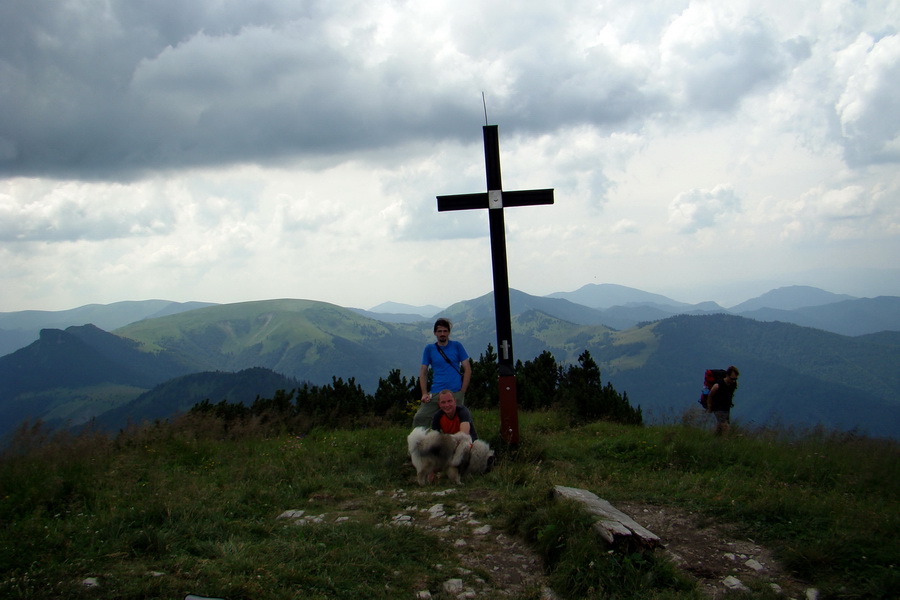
(494,200)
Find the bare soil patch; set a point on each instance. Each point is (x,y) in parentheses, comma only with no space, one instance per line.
(713,552)
(498,565)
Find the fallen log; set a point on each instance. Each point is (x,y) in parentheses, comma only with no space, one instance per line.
(613,525)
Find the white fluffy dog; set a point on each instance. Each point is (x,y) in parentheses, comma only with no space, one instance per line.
(434,452)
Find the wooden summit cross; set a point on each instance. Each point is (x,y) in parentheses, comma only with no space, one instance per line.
(495,199)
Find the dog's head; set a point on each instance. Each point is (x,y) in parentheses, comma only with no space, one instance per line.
(415,437)
(481,457)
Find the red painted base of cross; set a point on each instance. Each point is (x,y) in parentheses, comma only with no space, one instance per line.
(509,410)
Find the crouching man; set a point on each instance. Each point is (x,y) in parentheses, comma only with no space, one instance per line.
(452,418)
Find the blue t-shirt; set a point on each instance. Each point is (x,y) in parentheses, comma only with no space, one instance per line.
(446,376)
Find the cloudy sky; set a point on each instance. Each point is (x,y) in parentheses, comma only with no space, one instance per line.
(231,150)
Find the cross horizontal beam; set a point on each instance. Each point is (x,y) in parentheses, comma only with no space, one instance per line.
(481,200)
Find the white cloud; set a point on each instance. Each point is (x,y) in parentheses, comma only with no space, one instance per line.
(32,210)
(868,107)
(236,151)
(713,57)
(700,209)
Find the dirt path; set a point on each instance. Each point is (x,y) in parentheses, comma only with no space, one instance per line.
(497,565)
(716,556)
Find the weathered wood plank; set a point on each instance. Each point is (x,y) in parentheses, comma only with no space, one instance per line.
(613,525)
(609,530)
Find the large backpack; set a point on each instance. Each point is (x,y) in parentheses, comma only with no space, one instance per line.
(710,378)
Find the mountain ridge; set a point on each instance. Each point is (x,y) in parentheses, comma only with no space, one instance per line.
(624,307)
(659,364)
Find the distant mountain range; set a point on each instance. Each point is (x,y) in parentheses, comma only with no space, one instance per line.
(792,376)
(615,306)
(621,307)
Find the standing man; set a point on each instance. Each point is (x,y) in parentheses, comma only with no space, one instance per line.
(451,370)
(719,402)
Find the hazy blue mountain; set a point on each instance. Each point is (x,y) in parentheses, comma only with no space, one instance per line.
(391,317)
(426,312)
(616,317)
(520,302)
(18,329)
(790,298)
(849,317)
(605,295)
(801,305)
(623,317)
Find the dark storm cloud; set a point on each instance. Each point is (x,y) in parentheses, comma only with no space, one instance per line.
(90,93)
(112,90)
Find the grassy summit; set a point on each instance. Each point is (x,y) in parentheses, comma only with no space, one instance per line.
(192,507)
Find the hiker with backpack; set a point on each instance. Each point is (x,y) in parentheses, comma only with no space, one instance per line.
(718,400)
(451,370)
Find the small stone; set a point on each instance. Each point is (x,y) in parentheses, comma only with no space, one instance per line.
(453,586)
(460,543)
(291,514)
(755,565)
(548,594)
(733,583)
(90,582)
(401,520)
(483,530)
(776,588)
(812,594)
(423,595)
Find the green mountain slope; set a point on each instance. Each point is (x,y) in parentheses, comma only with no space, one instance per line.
(303,339)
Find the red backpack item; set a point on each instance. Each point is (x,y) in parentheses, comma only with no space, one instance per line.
(709,379)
